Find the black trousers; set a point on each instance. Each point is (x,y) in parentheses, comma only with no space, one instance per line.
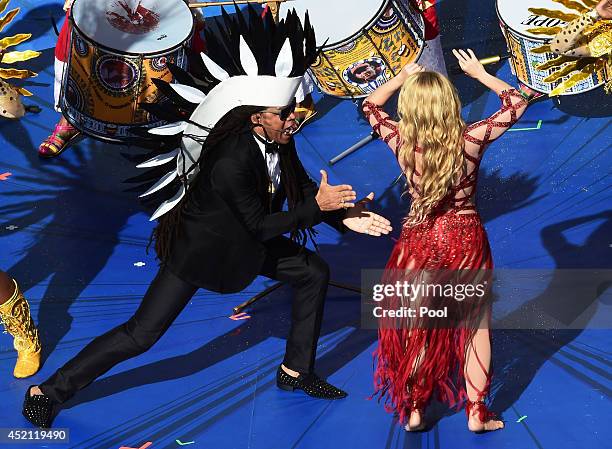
(168,295)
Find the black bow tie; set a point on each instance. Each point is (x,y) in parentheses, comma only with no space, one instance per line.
(272,148)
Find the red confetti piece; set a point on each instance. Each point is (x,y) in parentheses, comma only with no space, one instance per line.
(144,446)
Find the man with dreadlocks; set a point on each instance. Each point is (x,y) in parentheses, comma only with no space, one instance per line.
(222,223)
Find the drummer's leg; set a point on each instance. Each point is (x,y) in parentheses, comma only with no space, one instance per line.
(67,131)
(64,133)
(432,57)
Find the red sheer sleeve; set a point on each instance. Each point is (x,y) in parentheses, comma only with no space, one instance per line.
(478,135)
(382,124)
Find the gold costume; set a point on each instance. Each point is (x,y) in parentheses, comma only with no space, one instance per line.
(10,102)
(16,318)
(584,45)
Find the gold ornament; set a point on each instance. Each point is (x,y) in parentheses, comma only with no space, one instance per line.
(10,102)
(598,37)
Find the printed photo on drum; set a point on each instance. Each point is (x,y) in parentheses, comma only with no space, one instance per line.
(367,74)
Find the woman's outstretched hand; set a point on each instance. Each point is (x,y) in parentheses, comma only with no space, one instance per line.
(469,63)
(409,69)
(360,220)
(384,92)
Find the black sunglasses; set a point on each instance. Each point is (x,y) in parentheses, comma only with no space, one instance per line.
(285,112)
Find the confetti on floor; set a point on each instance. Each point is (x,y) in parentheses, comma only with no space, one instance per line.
(528,129)
(144,446)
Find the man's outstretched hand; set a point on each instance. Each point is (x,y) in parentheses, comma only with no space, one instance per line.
(334,197)
(359,219)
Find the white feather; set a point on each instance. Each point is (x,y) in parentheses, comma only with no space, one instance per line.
(213,68)
(169,129)
(163,182)
(284,62)
(247,60)
(168,205)
(192,150)
(191,94)
(160,159)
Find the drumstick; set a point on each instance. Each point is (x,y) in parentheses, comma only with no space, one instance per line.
(455,68)
(237,2)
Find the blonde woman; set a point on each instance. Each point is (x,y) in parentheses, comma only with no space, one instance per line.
(442,233)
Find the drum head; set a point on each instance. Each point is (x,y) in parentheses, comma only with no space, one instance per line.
(134,26)
(335,19)
(516,15)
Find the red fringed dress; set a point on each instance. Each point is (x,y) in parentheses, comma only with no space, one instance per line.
(419,357)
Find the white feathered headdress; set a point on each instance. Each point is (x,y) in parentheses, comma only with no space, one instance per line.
(248,63)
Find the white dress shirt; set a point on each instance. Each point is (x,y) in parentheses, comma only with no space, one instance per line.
(273,164)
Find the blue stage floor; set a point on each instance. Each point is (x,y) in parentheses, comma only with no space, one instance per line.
(75,238)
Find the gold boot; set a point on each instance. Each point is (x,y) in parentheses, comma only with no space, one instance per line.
(15,315)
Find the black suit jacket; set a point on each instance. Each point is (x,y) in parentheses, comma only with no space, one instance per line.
(230,218)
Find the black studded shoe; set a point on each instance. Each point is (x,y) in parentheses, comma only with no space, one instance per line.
(38,409)
(311,384)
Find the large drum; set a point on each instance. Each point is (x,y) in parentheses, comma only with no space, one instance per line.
(364,45)
(117,48)
(515,21)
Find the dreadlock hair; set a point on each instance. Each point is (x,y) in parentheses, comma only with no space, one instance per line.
(294,193)
(265,39)
(235,121)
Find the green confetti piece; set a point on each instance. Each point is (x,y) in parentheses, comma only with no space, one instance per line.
(528,129)
(521,418)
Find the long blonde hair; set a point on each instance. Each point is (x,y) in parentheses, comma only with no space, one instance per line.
(430,116)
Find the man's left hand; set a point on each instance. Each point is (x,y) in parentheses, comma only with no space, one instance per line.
(359,219)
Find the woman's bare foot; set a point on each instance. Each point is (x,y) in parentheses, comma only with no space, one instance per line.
(415,422)
(477,426)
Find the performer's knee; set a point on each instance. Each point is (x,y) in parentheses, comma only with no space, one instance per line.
(7,287)
(142,339)
(317,270)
